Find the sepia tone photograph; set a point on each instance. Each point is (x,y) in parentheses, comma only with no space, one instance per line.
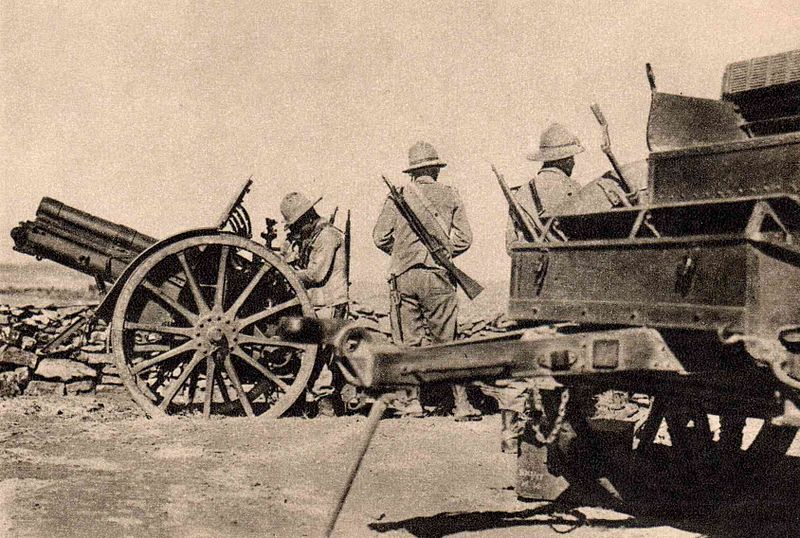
(401,268)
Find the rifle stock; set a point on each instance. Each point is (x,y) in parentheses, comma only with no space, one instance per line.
(438,251)
(606,148)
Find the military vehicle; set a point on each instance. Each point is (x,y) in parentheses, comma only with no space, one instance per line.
(689,298)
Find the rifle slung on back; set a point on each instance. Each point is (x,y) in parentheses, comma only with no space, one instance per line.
(438,251)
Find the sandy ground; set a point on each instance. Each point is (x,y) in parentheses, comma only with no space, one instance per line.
(93,466)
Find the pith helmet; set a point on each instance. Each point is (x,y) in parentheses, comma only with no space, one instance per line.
(294,205)
(422,155)
(556,143)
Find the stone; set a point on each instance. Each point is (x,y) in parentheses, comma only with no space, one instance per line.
(13,382)
(110,380)
(80,387)
(52,315)
(110,369)
(98,337)
(4,319)
(95,358)
(109,388)
(17,356)
(69,311)
(94,348)
(39,320)
(28,342)
(45,388)
(64,369)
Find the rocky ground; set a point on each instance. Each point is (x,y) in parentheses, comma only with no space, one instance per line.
(93,466)
(77,458)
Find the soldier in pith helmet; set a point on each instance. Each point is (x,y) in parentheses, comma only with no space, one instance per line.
(317,250)
(424,302)
(553,185)
(551,188)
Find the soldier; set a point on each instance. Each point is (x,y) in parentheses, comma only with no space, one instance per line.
(317,249)
(553,186)
(425,305)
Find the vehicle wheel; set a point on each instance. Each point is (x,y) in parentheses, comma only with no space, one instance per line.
(194,330)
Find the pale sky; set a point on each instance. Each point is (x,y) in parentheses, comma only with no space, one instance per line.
(151,114)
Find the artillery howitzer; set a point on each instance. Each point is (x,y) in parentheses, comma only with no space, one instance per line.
(192,317)
(691,297)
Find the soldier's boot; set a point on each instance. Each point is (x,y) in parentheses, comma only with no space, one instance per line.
(511,429)
(325,408)
(406,403)
(463,410)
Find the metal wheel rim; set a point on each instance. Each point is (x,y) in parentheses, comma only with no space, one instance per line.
(137,277)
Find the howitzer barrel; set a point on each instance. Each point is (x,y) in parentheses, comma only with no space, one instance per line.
(120,235)
(80,241)
(40,241)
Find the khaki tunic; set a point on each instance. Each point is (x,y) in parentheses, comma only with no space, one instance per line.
(393,235)
(323,276)
(425,297)
(555,188)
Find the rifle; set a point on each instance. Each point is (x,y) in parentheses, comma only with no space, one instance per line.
(438,251)
(347,250)
(606,148)
(332,218)
(530,230)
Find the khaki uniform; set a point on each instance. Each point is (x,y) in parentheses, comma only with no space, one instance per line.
(320,261)
(427,299)
(555,189)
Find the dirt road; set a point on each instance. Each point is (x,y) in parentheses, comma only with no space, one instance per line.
(93,466)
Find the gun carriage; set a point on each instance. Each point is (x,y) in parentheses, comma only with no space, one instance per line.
(690,296)
(192,317)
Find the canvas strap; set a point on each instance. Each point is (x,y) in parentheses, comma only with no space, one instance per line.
(429,208)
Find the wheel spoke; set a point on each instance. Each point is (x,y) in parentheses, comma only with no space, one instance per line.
(268,341)
(192,386)
(163,329)
(219,292)
(269,312)
(196,293)
(178,383)
(174,352)
(222,388)
(180,309)
(249,289)
(209,395)
(242,354)
(238,386)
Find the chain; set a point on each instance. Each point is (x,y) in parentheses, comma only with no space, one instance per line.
(538,407)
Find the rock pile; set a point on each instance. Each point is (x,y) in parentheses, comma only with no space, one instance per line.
(79,365)
(84,364)
(486,325)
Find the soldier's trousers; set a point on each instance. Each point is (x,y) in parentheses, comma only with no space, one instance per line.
(324,380)
(428,307)
(423,310)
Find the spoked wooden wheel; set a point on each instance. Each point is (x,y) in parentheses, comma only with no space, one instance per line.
(195,330)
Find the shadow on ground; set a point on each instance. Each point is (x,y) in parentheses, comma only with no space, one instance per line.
(747,497)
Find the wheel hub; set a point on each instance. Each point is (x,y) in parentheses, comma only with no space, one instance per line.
(217,331)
